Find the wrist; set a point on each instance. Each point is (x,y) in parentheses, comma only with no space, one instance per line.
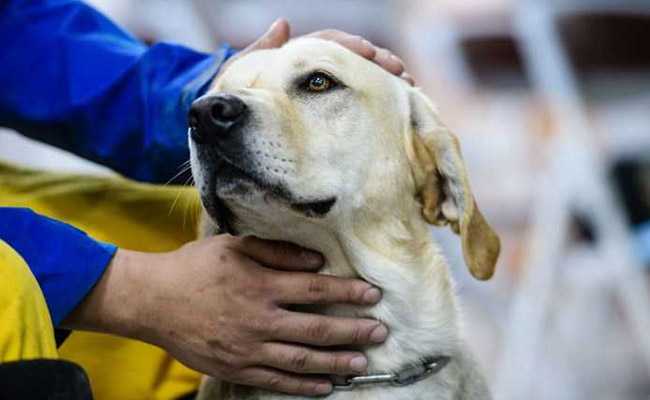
(118,303)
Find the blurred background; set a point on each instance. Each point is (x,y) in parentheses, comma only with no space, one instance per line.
(551,101)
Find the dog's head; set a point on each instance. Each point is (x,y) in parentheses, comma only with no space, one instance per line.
(317,132)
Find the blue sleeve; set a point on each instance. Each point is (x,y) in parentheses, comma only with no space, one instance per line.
(71,78)
(65,261)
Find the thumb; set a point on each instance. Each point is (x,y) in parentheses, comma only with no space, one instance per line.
(275,36)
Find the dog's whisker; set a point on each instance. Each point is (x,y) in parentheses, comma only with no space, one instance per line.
(178,194)
(190,208)
(185,210)
(184,167)
(189,181)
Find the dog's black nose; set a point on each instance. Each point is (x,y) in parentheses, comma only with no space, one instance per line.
(213,117)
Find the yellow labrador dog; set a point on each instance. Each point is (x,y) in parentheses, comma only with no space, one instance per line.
(318,146)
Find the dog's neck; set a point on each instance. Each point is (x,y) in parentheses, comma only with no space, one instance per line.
(396,255)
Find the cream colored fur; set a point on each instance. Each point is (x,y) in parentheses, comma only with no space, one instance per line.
(378,146)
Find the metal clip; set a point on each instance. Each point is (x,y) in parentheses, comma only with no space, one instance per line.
(404,377)
(350,383)
(415,374)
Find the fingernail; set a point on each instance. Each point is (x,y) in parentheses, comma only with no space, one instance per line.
(323,388)
(312,259)
(379,334)
(359,364)
(366,43)
(372,295)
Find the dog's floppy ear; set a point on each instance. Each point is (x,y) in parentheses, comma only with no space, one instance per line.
(443,188)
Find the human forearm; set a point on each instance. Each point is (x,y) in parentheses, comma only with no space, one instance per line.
(73,79)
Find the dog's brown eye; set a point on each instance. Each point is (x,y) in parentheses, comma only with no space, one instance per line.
(319,82)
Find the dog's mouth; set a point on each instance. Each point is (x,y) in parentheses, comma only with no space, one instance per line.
(232,181)
(314,209)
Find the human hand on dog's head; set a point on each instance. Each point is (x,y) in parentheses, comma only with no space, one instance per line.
(279,33)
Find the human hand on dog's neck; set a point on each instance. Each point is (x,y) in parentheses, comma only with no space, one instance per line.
(215,307)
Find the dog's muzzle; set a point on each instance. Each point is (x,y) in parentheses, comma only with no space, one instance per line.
(214,118)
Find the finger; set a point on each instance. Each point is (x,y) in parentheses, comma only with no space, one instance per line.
(281,255)
(354,43)
(390,62)
(358,45)
(408,78)
(308,361)
(319,330)
(310,288)
(277,381)
(277,35)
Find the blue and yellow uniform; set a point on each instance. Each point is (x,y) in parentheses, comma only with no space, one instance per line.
(71,78)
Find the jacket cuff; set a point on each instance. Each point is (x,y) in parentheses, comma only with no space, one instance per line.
(66,262)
